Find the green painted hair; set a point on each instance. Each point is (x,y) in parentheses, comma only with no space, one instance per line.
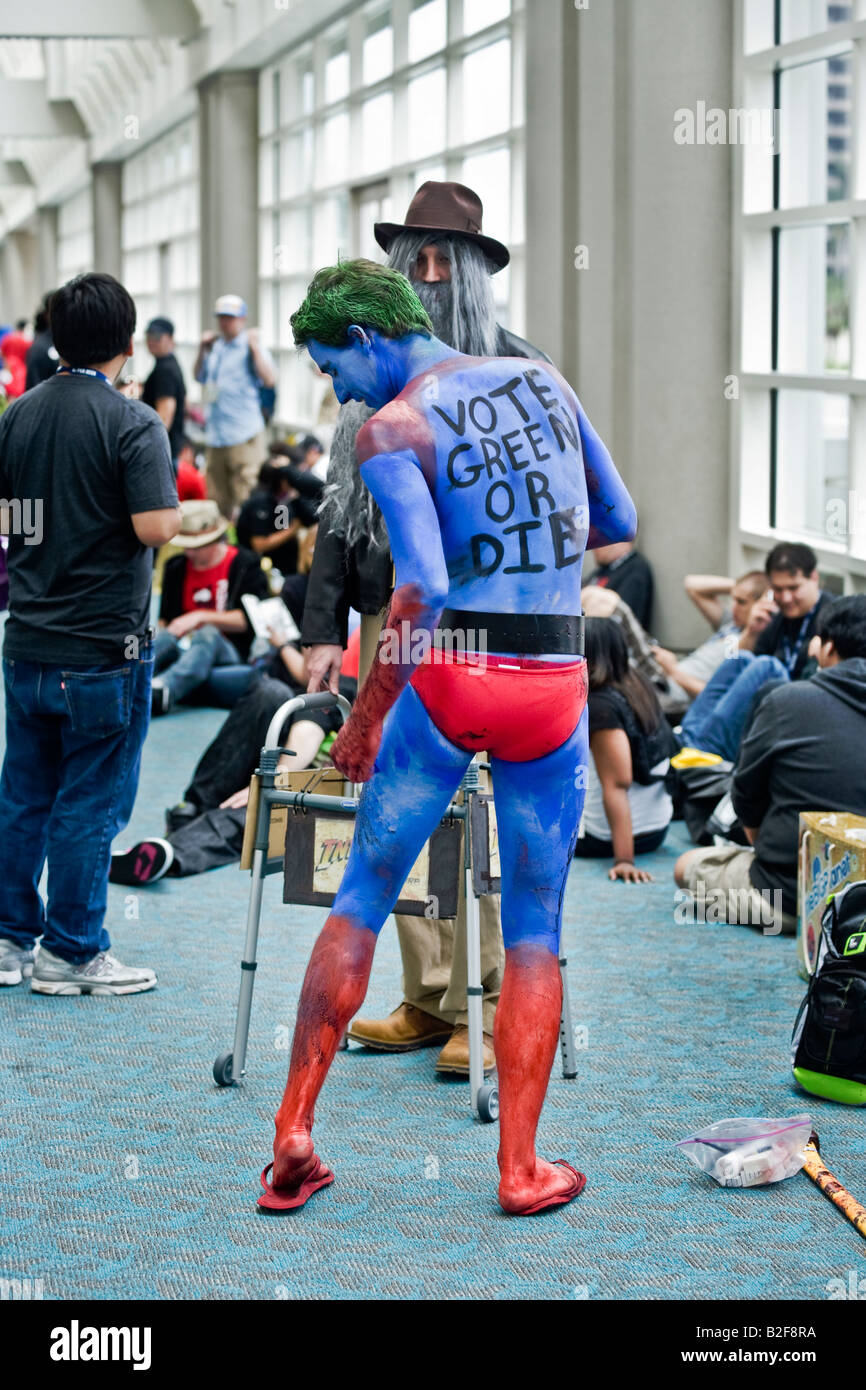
(362,292)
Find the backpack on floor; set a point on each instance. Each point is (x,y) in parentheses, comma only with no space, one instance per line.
(703,796)
(828,1049)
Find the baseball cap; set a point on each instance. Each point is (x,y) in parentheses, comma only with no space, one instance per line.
(231,304)
(158,326)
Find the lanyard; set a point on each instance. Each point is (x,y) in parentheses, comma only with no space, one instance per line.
(82,371)
(789,657)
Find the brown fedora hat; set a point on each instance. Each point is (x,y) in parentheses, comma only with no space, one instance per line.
(449,209)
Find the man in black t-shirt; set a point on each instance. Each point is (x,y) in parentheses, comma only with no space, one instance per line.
(85,475)
(165,390)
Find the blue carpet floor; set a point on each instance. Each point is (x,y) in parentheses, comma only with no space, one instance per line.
(126,1173)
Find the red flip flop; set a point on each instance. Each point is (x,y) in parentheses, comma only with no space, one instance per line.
(287,1198)
(560,1198)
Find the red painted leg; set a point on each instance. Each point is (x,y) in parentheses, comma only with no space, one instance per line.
(525,1037)
(334,988)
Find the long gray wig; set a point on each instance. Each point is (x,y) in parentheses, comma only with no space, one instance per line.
(464,317)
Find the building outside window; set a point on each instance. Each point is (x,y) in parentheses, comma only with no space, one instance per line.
(352,122)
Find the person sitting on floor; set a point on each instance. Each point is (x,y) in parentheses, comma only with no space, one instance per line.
(272,516)
(678,680)
(202,625)
(624,570)
(206,829)
(805,750)
(713,596)
(776,647)
(627,809)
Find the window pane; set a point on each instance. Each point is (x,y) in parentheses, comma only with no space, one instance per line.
(275,166)
(489,175)
(299,153)
(812,464)
(331,238)
(759,25)
(276,100)
(436,172)
(373,206)
(337,72)
(803,17)
(332,164)
(479,14)
(427,28)
(378,55)
(487,90)
(815,133)
(427,114)
(376,124)
(295,251)
(301,90)
(814,299)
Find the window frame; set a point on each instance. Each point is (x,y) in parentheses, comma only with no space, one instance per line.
(752,525)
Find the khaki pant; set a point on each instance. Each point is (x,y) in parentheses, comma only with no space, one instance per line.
(724,892)
(434,950)
(232,472)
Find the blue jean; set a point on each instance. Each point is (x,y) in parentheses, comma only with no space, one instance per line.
(716,720)
(210,661)
(73,752)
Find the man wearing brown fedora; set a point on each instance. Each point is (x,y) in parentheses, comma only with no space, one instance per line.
(442,249)
(202,622)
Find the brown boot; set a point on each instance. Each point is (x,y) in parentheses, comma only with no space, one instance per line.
(454,1056)
(406,1029)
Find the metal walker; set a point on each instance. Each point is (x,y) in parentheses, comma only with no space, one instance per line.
(230,1067)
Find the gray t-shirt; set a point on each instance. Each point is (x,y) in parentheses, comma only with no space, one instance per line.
(76,459)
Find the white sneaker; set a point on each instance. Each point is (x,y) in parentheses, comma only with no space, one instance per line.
(104,974)
(16,963)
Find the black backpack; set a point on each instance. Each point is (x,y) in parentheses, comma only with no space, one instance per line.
(829,1044)
(647,750)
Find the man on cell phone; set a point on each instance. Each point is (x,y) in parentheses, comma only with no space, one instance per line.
(775,648)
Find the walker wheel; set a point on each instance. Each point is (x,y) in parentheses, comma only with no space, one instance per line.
(222,1069)
(488,1104)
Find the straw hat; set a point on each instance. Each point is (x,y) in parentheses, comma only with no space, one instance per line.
(201,524)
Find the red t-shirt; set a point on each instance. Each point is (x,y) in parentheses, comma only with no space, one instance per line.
(208,588)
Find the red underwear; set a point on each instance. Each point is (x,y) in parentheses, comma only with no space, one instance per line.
(514,708)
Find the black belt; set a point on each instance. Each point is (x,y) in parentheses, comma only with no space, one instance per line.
(552,634)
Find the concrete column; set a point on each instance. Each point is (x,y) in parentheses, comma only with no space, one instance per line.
(46,239)
(19,276)
(107,217)
(641,326)
(229,189)
(551,185)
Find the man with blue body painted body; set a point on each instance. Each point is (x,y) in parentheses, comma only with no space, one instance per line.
(492,483)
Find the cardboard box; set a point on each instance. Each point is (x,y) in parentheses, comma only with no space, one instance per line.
(317,851)
(326,781)
(832,852)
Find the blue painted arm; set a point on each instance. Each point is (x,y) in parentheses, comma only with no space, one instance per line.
(403,496)
(612,514)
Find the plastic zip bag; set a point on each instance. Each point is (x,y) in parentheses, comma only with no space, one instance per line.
(744,1152)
